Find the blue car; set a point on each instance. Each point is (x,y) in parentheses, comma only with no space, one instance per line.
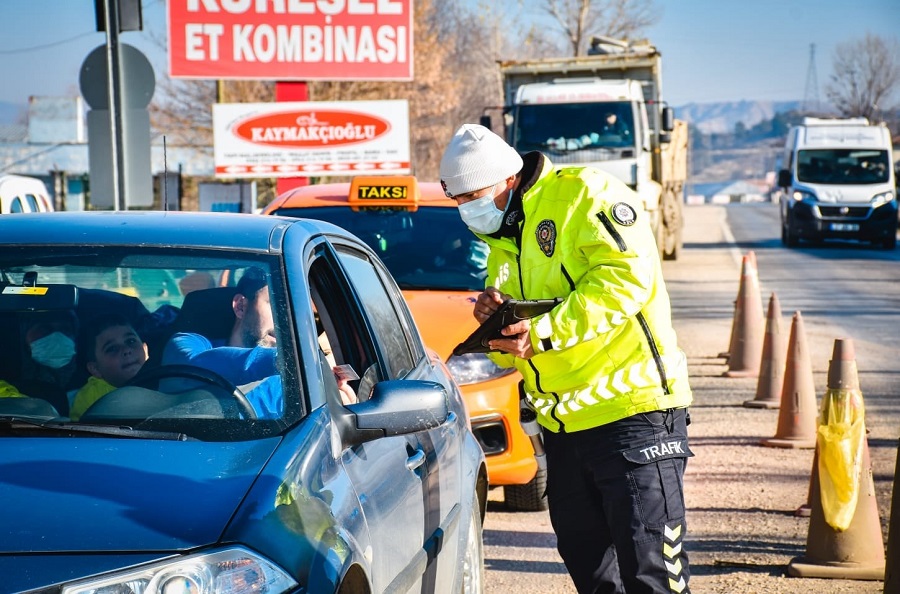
(346,465)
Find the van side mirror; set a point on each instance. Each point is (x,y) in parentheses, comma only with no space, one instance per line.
(485,121)
(668,119)
(784,178)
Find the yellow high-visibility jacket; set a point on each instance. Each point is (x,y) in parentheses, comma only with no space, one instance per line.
(608,351)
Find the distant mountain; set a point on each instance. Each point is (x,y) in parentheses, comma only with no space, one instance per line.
(10,113)
(718,118)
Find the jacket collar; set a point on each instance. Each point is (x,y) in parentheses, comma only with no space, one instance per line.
(532,167)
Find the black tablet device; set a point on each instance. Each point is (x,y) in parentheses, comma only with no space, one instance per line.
(510,312)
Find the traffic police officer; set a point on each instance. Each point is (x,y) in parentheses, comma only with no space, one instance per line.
(602,370)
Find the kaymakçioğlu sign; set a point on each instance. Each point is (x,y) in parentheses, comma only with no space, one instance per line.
(291,39)
(315,138)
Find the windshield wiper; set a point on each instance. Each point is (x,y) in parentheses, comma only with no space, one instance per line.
(24,425)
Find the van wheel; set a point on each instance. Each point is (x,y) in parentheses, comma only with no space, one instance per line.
(889,242)
(788,237)
(527,497)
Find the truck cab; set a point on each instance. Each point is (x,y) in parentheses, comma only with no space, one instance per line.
(589,122)
(606,111)
(838,183)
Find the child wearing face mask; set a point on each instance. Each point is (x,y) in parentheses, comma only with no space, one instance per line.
(114,353)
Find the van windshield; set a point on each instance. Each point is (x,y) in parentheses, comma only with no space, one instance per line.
(843,166)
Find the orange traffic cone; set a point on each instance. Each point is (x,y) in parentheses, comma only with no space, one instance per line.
(725,354)
(797,414)
(854,550)
(892,568)
(771,371)
(747,328)
(804,510)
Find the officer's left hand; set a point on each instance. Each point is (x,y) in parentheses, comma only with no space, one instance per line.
(519,341)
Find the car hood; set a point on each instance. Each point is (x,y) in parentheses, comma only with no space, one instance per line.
(444,318)
(102,495)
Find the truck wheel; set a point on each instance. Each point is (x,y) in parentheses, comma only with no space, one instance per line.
(527,497)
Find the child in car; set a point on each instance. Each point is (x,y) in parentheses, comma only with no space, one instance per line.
(114,353)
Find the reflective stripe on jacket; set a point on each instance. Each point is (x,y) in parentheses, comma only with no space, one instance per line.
(608,351)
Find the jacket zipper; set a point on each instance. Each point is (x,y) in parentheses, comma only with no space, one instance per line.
(537,374)
(612,231)
(656,356)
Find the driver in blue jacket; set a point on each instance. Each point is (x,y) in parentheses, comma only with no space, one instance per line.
(248,354)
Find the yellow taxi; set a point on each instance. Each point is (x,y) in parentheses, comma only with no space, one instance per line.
(440,266)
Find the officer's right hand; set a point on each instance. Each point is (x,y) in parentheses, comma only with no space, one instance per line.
(487,303)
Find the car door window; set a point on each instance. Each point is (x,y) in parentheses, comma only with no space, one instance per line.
(379,306)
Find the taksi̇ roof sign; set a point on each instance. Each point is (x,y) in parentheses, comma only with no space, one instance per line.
(291,39)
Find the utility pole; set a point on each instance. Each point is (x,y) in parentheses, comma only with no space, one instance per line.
(811,93)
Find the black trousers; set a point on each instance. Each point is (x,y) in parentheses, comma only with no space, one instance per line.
(616,500)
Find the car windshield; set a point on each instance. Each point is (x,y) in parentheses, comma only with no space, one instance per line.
(87,340)
(430,248)
(843,166)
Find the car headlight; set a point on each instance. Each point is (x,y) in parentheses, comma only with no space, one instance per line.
(472,368)
(230,571)
(801,196)
(882,198)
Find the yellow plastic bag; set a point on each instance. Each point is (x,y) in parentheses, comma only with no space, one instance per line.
(840,436)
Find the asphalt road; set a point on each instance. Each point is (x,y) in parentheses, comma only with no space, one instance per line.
(741,496)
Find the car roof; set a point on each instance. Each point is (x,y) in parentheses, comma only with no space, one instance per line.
(173,228)
(336,194)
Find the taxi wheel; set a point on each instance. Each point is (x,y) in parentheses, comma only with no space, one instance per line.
(528,497)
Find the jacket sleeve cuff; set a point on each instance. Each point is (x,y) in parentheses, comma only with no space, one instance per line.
(541,330)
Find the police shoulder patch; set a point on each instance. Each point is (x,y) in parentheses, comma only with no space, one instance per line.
(623,214)
(546,236)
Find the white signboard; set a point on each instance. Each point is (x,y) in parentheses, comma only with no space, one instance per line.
(311,138)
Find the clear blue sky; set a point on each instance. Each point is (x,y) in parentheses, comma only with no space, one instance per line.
(713,50)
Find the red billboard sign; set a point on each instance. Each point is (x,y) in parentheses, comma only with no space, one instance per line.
(291,39)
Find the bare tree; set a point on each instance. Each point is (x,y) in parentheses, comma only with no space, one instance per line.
(581,19)
(866,74)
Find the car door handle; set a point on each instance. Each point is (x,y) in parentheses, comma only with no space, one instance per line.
(416,460)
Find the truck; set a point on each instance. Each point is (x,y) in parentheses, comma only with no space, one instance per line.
(838,182)
(604,110)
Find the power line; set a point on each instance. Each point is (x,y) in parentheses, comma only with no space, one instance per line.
(23,50)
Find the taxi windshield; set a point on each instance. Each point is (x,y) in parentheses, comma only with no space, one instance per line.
(95,337)
(430,248)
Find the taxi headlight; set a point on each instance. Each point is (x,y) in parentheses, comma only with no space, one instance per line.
(882,198)
(230,571)
(473,368)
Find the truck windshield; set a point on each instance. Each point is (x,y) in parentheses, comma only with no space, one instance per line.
(843,166)
(574,126)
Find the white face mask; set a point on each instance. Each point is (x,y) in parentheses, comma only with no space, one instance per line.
(482,215)
(55,350)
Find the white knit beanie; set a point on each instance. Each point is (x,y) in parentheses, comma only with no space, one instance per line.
(476,158)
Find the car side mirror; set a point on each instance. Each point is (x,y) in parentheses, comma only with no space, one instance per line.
(784,178)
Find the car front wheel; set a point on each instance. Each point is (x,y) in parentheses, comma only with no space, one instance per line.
(472,581)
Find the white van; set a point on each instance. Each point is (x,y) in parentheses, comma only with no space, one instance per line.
(19,193)
(839,183)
